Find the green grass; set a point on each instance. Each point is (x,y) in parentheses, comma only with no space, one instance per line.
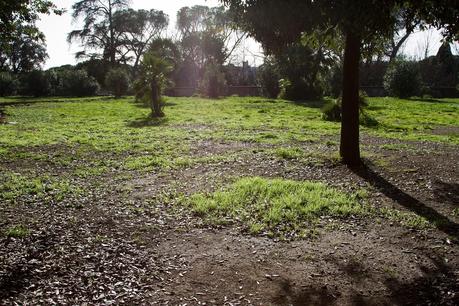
(276,205)
(15,186)
(56,141)
(18,231)
(108,125)
(279,207)
(414,119)
(289,153)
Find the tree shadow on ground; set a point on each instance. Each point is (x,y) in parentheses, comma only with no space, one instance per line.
(436,286)
(16,277)
(2,116)
(402,198)
(266,100)
(147,122)
(311,295)
(141,104)
(430,100)
(21,101)
(447,192)
(310,104)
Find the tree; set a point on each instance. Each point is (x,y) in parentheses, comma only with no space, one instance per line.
(117,81)
(268,78)
(138,28)
(19,12)
(356,21)
(403,79)
(99,31)
(208,37)
(22,45)
(302,67)
(24,51)
(156,66)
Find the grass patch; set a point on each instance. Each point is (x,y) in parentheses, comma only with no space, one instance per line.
(408,219)
(18,231)
(280,208)
(289,153)
(14,186)
(275,205)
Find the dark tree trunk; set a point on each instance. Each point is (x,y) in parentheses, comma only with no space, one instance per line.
(349,148)
(155,100)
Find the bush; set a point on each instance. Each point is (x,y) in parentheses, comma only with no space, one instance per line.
(117,81)
(8,84)
(403,79)
(332,110)
(78,83)
(35,83)
(304,71)
(335,81)
(213,84)
(300,90)
(268,79)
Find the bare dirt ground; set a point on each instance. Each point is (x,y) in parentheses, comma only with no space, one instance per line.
(137,247)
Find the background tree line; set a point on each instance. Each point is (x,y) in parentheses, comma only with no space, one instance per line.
(115,37)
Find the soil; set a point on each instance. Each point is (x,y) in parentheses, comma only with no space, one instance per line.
(137,247)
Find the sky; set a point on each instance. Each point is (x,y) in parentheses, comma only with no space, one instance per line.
(60,52)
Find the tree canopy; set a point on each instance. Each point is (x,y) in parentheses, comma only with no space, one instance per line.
(98,30)
(138,28)
(17,12)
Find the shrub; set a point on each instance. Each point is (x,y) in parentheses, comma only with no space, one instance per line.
(402,79)
(117,81)
(35,83)
(268,79)
(332,110)
(8,84)
(213,84)
(335,81)
(78,83)
(300,89)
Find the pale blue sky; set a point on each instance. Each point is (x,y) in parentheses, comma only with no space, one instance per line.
(60,52)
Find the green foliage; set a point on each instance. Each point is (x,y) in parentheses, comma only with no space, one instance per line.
(268,78)
(117,81)
(331,111)
(206,40)
(137,28)
(213,84)
(275,204)
(24,51)
(59,82)
(154,75)
(335,81)
(99,31)
(36,83)
(8,84)
(402,79)
(77,83)
(20,12)
(301,69)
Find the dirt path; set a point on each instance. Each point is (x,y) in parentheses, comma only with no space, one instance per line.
(131,248)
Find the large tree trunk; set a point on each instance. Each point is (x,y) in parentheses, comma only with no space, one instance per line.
(155,103)
(349,148)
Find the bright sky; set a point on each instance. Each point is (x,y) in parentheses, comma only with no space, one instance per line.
(60,52)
